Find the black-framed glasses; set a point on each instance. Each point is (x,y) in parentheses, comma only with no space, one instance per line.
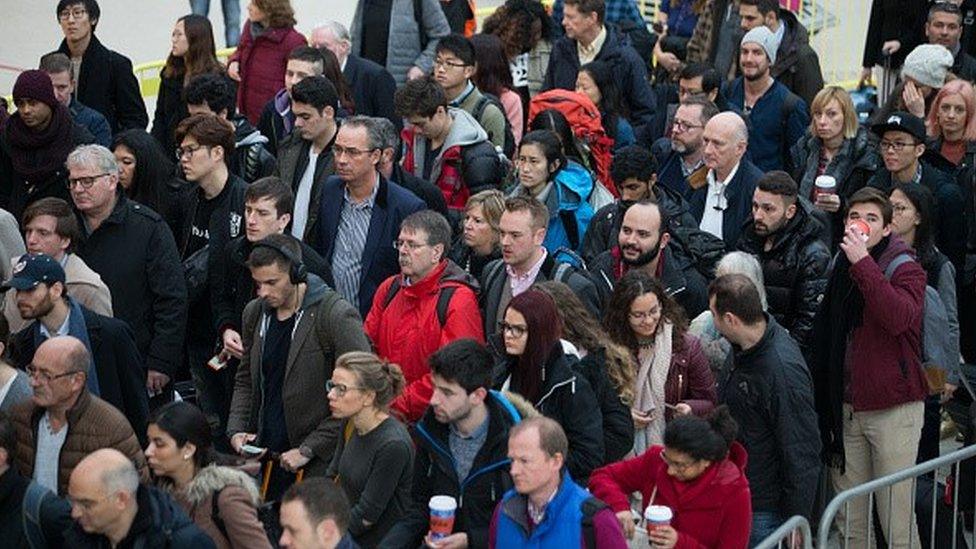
(896,146)
(189,151)
(443,63)
(513,330)
(338,151)
(683,126)
(46,377)
(340,388)
(75,14)
(85,182)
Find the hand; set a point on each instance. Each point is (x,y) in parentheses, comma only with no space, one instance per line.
(641,419)
(626,520)
(828,202)
(415,73)
(233,71)
(155,381)
(682,409)
(853,245)
(293,460)
(663,537)
(890,47)
(914,102)
(454,541)
(865,76)
(669,61)
(233,346)
(238,440)
(947,391)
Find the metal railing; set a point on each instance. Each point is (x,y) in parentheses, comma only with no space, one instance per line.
(783,536)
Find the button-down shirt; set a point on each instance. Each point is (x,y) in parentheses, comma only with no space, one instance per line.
(520,283)
(588,53)
(62,329)
(347,257)
(716,203)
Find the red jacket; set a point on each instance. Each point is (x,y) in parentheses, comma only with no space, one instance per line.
(713,511)
(407,331)
(262,66)
(450,180)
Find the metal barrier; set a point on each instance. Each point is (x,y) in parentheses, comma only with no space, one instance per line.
(868,489)
(782,536)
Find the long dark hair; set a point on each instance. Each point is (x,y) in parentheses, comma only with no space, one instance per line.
(551,146)
(333,72)
(154,169)
(520,24)
(611,106)
(632,285)
(201,53)
(545,327)
(493,75)
(551,119)
(924,203)
(186,423)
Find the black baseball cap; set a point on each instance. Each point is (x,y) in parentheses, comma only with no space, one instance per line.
(900,121)
(33,269)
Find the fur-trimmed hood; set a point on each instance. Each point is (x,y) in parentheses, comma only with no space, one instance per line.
(214,478)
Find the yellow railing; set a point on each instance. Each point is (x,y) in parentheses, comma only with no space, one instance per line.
(148,73)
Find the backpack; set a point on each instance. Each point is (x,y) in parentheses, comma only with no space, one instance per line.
(590,507)
(641,41)
(479,111)
(703,248)
(584,118)
(937,347)
(562,273)
(444,296)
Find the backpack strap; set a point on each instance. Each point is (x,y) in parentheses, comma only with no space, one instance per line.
(789,104)
(563,272)
(34,499)
(479,107)
(215,513)
(391,292)
(443,303)
(569,224)
(898,261)
(418,15)
(590,507)
(322,331)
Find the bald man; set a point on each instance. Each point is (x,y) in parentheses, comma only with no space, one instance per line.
(62,423)
(110,506)
(724,205)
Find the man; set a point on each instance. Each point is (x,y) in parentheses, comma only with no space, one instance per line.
(315,515)
(944,27)
(111,509)
(617,11)
(724,204)
(522,230)
(787,240)
(105,81)
(215,94)
(372,85)
(716,35)
(360,215)
(133,250)
(589,39)
(699,79)
(277,119)
(305,157)
(429,304)
(797,65)
(293,333)
(778,118)
(58,68)
(545,508)
(403,43)
(63,422)
(454,66)
(643,244)
(681,157)
(51,228)
(766,385)
(867,372)
(390,168)
(462,436)
(694,81)
(116,374)
(34,143)
(445,145)
(903,147)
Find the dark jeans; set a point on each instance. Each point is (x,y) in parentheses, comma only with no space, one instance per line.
(232,17)
(764,523)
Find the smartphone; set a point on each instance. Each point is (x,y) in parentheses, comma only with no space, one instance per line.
(252,450)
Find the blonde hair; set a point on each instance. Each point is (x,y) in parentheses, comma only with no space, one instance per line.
(823,98)
(492,204)
(374,374)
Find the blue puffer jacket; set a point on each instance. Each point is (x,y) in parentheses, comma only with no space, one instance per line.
(569,209)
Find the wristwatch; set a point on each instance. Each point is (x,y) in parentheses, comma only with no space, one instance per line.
(306,452)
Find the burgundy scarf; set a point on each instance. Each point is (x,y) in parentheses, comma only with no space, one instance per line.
(37,155)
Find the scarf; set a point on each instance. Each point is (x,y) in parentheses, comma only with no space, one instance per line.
(39,154)
(78,329)
(651,378)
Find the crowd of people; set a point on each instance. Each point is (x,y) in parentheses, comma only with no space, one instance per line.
(345,275)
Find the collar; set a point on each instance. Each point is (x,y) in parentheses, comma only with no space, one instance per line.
(62,330)
(468,90)
(369,202)
(533,271)
(712,182)
(779,35)
(595,46)
(686,171)
(956,49)
(538,515)
(479,431)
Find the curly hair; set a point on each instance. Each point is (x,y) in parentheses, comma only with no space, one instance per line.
(632,285)
(520,24)
(279,12)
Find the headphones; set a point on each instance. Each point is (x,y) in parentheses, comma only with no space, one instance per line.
(297,272)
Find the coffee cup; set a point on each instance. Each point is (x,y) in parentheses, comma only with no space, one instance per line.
(442,510)
(825,184)
(861,227)
(657,516)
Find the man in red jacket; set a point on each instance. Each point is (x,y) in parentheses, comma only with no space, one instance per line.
(429,304)
(869,383)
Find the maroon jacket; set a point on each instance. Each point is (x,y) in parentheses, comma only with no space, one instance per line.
(262,66)
(690,380)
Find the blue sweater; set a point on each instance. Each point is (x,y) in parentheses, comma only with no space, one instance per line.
(772,131)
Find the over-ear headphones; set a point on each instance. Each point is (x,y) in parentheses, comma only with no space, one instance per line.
(297,272)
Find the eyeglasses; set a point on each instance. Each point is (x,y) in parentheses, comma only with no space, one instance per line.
(338,151)
(45,377)
(72,14)
(896,146)
(442,63)
(676,465)
(188,151)
(642,315)
(340,388)
(412,246)
(85,182)
(513,330)
(683,126)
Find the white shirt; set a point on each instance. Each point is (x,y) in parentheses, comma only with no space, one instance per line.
(304,196)
(716,203)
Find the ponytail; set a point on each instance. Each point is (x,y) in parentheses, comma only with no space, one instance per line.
(374,374)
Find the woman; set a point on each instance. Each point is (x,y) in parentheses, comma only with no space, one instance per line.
(581,152)
(259,61)
(545,376)
(527,33)
(221,501)
(607,367)
(193,53)
(699,473)
(14,384)
(374,460)
(478,244)
(493,77)
(347,107)
(595,80)
(673,377)
(835,145)
(146,174)
(716,347)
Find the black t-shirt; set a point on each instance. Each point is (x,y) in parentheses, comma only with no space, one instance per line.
(376,30)
(200,230)
(429,160)
(274,358)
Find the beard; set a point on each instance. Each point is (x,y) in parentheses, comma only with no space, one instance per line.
(642,259)
(755,76)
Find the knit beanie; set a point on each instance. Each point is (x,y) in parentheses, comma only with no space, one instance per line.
(765,38)
(928,64)
(36,85)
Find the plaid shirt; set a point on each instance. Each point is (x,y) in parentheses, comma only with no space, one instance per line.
(617,11)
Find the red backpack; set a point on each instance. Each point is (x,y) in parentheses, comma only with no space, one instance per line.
(584,117)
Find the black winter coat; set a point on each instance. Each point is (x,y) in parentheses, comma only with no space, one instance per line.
(464,257)
(794,271)
(424,190)
(966,179)
(107,84)
(797,65)
(372,89)
(894,20)
(292,163)
(170,111)
(680,278)
(251,159)
(55,513)
(769,392)
(618,425)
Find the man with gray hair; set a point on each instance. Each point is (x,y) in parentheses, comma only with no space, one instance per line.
(133,250)
(391,169)
(372,85)
(63,422)
(110,507)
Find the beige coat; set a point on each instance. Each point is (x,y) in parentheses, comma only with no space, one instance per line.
(237,501)
(84,285)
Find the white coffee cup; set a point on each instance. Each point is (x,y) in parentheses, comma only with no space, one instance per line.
(657,516)
(442,509)
(825,184)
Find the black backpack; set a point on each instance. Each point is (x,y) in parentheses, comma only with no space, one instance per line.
(590,507)
(703,248)
(444,296)
(479,111)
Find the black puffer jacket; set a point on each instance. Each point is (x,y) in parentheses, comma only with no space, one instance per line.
(966,179)
(251,160)
(794,270)
(618,426)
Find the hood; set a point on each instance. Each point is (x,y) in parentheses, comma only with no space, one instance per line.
(315,291)
(578,181)
(738,456)
(215,478)
(274,34)
(245,134)
(464,131)
(523,406)
(796,34)
(443,275)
